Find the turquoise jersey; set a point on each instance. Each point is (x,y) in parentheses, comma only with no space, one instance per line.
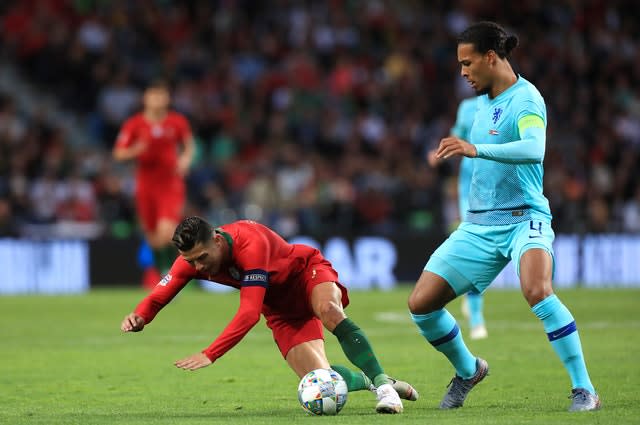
(462,129)
(506,183)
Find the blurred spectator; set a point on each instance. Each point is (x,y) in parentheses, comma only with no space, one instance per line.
(313,116)
(8,226)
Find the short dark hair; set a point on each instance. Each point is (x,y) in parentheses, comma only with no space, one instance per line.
(158,83)
(487,36)
(190,231)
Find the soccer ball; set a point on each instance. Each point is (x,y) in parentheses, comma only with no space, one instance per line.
(322,392)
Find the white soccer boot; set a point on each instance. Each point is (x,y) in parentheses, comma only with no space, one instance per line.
(388,400)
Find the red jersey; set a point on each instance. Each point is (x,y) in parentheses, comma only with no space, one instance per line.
(160,160)
(264,266)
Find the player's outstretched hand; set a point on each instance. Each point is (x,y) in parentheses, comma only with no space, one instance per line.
(132,323)
(450,146)
(193,362)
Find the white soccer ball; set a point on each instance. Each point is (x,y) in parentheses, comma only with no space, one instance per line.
(322,392)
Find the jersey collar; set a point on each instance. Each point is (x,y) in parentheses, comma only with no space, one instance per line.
(225,235)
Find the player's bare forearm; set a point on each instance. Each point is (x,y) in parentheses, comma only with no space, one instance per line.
(452,146)
(125,154)
(184,163)
(193,362)
(186,157)
(132,323)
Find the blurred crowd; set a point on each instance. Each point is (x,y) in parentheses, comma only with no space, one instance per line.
(311,116)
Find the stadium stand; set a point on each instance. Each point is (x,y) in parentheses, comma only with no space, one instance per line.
(309,116)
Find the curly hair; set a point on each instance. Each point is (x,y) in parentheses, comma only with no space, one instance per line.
(190,231)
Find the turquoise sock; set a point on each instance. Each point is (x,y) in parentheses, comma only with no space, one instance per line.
(475,302)
(440,329)
(562,333)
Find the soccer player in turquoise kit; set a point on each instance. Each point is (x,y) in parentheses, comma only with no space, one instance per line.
(473,302)
(472,306)
(508,219)
(292,285)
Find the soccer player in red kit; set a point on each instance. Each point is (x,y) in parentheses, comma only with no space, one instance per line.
(161,143)
(293,286)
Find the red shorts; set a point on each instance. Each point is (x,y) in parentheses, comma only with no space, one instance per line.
(159,200)
(290,317)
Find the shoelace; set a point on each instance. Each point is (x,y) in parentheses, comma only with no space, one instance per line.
(383,395)
(582,394)
(459,386)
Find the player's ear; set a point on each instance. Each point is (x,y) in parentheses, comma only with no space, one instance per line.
(491,57)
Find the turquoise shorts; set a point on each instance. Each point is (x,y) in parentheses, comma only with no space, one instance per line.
(474,254)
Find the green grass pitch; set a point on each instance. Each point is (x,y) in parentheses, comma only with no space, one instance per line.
(63,360)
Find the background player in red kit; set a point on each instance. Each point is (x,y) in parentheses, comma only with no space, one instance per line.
(161,143)
(293,286)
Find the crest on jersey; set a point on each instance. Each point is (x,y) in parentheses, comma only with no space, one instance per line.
(497,112)
(234,272)
(156,130)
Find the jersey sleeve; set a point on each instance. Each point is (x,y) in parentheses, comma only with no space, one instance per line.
(126,135)
(251,253)
(248,314)
(529,148)
(179,275)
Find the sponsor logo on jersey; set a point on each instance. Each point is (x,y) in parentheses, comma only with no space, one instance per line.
(494,132)
(165,280)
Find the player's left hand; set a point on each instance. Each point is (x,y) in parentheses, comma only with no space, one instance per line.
(450,146)
(193,362)
(183,166)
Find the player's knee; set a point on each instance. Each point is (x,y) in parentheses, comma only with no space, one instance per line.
(412,303)
(417,304)
(165,236)
(423,302)
(330,313)
(536,293)
(153,241)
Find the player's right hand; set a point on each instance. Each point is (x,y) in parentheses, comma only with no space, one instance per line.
(432,158)
(453,146)
(138,148)
(132,323)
